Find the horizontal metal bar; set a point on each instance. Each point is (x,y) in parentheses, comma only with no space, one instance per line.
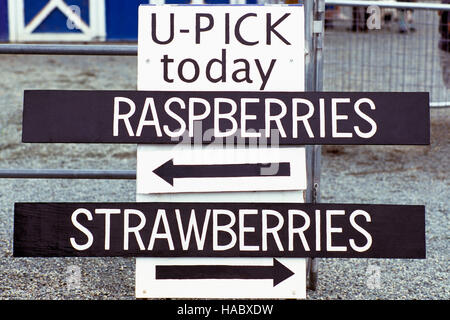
(445,104)
(390,4)
(67,174)
(69,49)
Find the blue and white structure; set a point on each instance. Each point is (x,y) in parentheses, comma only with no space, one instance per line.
(79,20)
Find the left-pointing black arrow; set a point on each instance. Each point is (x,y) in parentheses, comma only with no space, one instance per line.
(168,171)
(278,272)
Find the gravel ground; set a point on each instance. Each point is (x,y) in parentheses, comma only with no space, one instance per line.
(350,174)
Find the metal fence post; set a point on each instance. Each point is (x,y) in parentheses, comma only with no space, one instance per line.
(319,20)
(314,22)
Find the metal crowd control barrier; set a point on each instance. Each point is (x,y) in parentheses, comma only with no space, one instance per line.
(314,15)
(67,174)
(400,54)
(69,49)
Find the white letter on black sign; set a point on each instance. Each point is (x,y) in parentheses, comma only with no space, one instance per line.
(365,117)
(331,230)
(361,230)
(155,122)
(193,117)
(127,229)
(300,230)
(275,118)
(243,229)
(335,117)
(107,213)
(161,216)
(192,225)
(304,118)
(322,117)
(274,230)
(317,230)
(173,115)
(225,228)
(124,117)
(83,229)
(229,116)
(245,117)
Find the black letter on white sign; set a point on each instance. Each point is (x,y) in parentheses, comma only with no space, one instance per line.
(197,25)
(154,37)
(165,61)
(271,28)
(237,29)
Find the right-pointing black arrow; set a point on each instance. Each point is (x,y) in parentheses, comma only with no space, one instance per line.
(278,272)
(168,171)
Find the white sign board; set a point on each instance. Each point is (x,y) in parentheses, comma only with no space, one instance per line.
(263,278)
(220,48)
(245,48)
(168,169)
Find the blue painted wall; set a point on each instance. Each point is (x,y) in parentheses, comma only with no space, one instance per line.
(4,33)
(121,17)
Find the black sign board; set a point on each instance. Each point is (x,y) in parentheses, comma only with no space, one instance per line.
(219,230)
(283,118)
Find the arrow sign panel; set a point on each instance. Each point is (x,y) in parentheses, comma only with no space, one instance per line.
(166,169)
(278,272)
(220,278)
